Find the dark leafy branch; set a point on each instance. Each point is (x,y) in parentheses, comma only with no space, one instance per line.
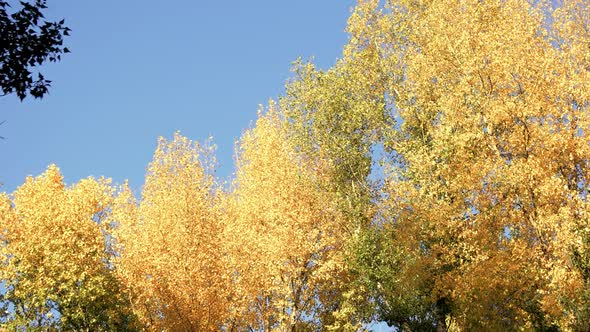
(27,40)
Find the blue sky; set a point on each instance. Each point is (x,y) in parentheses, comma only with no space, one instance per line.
(143,69)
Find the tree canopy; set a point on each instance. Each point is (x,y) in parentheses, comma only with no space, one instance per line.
(435,178)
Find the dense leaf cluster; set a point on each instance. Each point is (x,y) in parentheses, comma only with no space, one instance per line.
(27,40)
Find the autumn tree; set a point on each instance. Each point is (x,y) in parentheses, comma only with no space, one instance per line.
(170,242)
(56,267)
(285,234)
(485,203)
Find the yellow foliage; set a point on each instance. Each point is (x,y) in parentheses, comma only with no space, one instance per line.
(170,244)
(284,232)
(482,109)
(55,257)
(493,101)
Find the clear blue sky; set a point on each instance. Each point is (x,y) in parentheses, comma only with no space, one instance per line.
(143,69)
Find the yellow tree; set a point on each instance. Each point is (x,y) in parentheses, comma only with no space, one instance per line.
(486,206)
(284,233)
(56,264)
(170,244)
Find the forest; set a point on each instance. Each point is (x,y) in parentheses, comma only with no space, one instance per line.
(435,178)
